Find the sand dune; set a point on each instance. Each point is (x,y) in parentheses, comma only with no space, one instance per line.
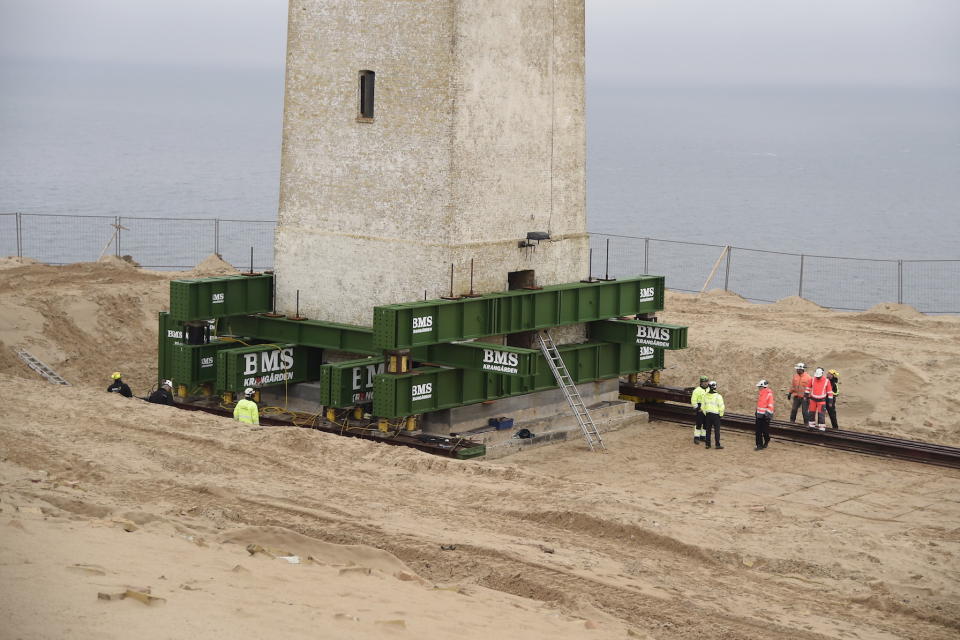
(289,532)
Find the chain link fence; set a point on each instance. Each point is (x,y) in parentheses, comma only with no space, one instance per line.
(154,243)
(854,284)
(930,286)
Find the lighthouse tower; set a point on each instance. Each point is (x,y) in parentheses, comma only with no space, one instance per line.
(421,136)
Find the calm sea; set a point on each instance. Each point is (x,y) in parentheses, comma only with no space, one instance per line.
(841,171)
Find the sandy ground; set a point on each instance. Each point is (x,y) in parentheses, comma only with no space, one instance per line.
(353,539)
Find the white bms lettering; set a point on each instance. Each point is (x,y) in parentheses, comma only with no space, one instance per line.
(421,391)
(646,353)
(423,325)
(502,361)
(653,336)
(647,293)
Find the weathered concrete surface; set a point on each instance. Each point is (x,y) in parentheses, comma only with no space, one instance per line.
(478,137)
(543,407)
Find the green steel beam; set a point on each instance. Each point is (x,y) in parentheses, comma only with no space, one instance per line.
(169,333)
(483,356)
(206,298)
(412,324)
(652,334)
(265,365)
(195,364)
(434,388)
(349,383)
(307,333)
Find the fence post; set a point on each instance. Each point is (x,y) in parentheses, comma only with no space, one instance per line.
(116,245)
(726,277)
(19,235)
(899,281)
(646,255)
(216,236)
(800,290)
(119,227)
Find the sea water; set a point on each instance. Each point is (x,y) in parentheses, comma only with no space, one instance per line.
(867,172)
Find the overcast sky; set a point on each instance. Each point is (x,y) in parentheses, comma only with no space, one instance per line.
(881,42)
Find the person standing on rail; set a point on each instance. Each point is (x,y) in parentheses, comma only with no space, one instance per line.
(798,389)
(834,377)
(696,401)
(119,386)
(764,414)
(818,391)
(246,410)
(712,403)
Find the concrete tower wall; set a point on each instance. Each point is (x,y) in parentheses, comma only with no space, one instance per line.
(478,137)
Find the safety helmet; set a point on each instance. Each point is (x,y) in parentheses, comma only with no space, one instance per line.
(834,373)
(713,384)
(704,378)
(818,373)
(168,383)
(763,383)
(800,365)
(116,375)
(248,391)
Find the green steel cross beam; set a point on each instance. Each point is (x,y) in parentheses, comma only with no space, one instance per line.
(407,325)
(349,383)
(208,298)
(266,365)
(483,356)
(434,388)
(307,333)
(652,334)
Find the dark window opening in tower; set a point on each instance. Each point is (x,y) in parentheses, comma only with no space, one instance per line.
(367,93)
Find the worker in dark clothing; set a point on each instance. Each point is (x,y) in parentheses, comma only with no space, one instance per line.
(119,386)
(834,377)
(163,395)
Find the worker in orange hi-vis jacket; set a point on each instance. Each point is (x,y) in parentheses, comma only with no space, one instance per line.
(818,392)
(764,414)
(797,393)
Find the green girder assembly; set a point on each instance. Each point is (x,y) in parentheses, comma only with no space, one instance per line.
(254,348)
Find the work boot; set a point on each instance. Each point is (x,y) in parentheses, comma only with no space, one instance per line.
(708,445)
(696,439)
(758,448)
(719,446)
(822,428)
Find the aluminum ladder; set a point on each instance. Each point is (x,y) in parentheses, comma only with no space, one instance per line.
(559,369)
(42,369)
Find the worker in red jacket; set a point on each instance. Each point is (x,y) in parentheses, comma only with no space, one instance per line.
(797,393)
(818,392)
(764,414)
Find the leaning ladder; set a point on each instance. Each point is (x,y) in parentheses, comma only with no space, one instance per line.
(559,369)
(42,369)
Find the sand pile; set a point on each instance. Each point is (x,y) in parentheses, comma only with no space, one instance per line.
(213,265)
(294,533)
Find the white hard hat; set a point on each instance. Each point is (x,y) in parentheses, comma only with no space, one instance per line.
(713,383)
(818,373)
(248,391)
(168,383)
(762,383)
(800,365)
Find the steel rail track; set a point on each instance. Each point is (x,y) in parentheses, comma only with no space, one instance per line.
(655,401)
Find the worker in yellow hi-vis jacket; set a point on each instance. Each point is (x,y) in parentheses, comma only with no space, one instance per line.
(246,410)
(712,403)
(696,400)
